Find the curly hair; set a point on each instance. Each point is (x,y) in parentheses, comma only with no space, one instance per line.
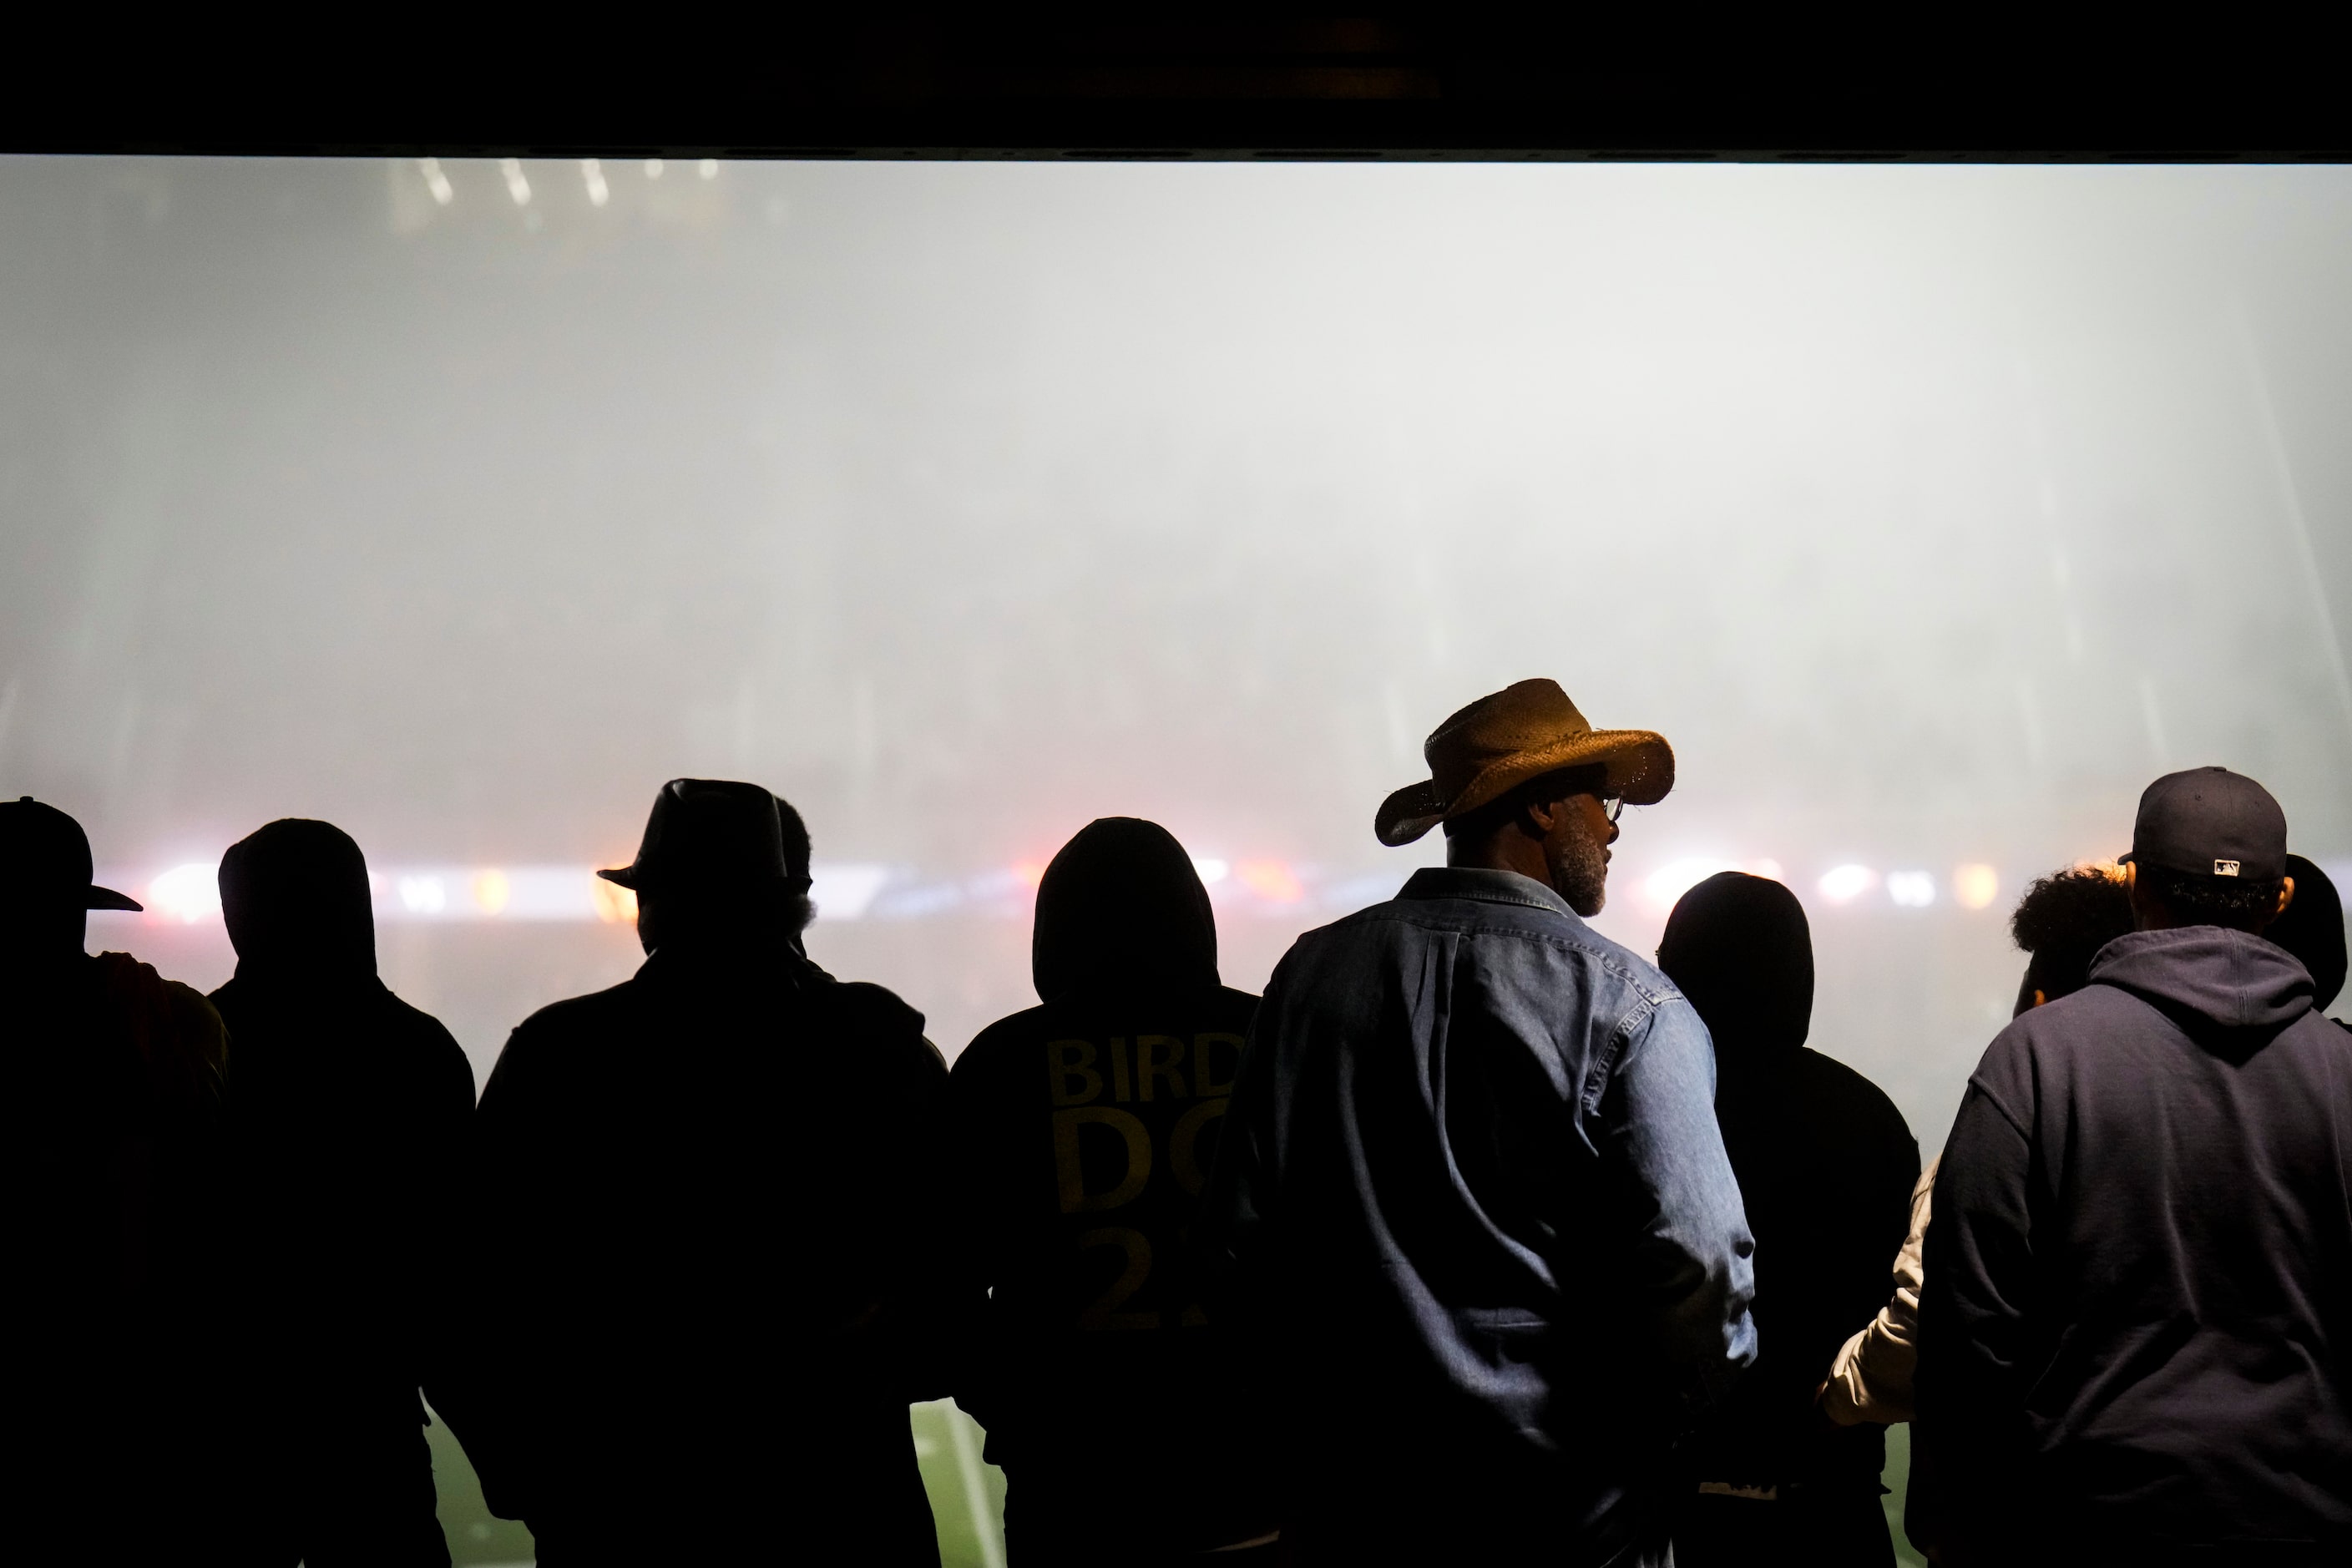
(2062,922)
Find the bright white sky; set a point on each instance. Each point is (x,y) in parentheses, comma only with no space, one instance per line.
(1929,512)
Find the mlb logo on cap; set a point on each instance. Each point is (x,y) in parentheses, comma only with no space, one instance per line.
(2225,867)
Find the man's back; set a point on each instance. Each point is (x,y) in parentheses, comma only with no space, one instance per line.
(705,1183)
(1085,1127)
(1826,1166)
(2138,1299)
(1472,1175)
(117,1144)
(351,1113)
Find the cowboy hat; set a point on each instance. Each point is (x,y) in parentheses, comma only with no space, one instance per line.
(1525,729)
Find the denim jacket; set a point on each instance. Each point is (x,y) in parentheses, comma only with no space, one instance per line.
(1471,1178)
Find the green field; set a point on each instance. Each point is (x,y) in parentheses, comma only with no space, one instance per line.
(967,1495)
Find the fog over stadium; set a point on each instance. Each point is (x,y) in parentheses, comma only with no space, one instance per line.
(1929,513)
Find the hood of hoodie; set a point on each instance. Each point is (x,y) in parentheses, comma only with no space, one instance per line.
(1121,907)
(299,912)
(2228,979)
(1741,948)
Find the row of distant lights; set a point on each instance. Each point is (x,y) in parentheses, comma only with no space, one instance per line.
(190,894)
(592,175)
(1972,886)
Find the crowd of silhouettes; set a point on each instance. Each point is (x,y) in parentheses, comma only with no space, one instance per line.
(1477,1239)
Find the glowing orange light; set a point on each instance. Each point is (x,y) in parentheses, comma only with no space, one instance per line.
(1271,881)
(491,891)
(1029,873)
(616,905)
(1975,885)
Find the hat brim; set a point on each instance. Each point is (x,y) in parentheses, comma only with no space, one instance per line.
(107,898)
(629,877)
(1641,770)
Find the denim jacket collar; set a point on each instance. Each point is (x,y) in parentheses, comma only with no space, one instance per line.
(1485,885)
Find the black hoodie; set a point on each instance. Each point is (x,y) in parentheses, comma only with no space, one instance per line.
(1084,1129)
(2138,1314)
(1826,1166)
(351,1111)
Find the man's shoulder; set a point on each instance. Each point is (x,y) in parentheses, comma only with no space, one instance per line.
(577,1020)
(589,1009)
(1011,1037)
(870,1008)
(1541,942)
(428,1040)
(1231,1006)
(884,1033)
(1528,920)
(1851,1096)
(2068,1045)
(994,1047)
(1643,975)
(2077,1024)
(175,1030)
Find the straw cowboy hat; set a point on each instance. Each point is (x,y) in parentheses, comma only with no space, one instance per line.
(1525,729)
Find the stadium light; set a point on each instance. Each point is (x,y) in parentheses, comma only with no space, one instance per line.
(1911,890)
(1975,885)
(185,894)
(1843,884)
(1272,880)
(491,891)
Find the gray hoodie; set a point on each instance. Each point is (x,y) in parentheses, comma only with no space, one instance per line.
(2138,1303)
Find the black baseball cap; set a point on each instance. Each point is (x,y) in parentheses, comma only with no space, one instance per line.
(2210,822)
(45,855)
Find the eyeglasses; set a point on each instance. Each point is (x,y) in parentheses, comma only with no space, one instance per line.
(1615,805)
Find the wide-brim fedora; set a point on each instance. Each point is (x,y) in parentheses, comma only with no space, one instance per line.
(1528,729)
(711,834)
(45,855)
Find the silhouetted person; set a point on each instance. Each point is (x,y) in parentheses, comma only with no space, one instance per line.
(2132,1330)
(704,1192)
(2061,923)
(1826,1166)
(2313,931)
(116,1146)
(353,1111)
(1471,1186)
(2061,926)
(1084,1128)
